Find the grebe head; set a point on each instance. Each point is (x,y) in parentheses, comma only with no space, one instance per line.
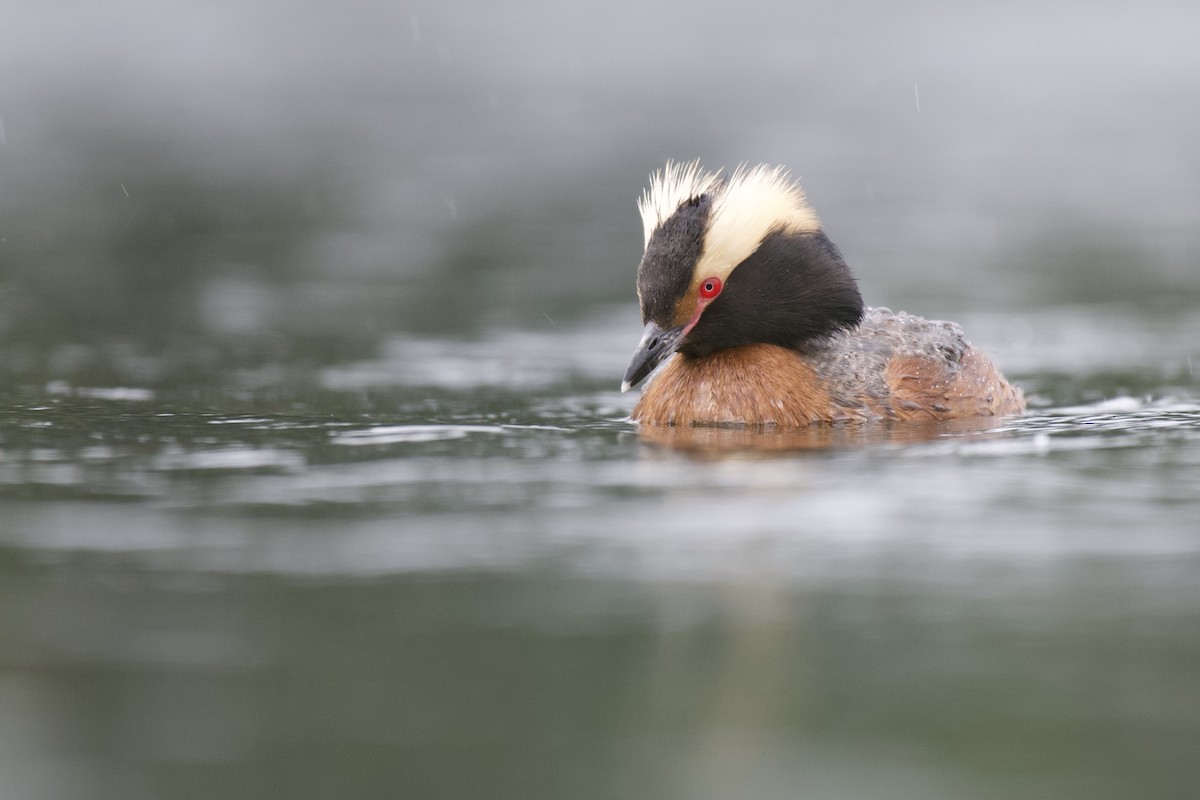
(735,260)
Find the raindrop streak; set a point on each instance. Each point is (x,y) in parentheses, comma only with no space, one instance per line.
(123,189)
(3,135)
(917,94)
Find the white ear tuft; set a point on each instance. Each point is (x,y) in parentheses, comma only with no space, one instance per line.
(755,202)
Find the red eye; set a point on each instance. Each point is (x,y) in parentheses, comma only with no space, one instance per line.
(710,288)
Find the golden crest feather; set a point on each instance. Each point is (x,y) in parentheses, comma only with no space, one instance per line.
(746,207)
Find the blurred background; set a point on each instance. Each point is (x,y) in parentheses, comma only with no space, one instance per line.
(314,476)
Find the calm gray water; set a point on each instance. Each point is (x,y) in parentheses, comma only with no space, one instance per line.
(314,476)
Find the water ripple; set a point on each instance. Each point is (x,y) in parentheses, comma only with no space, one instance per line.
(397,434)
